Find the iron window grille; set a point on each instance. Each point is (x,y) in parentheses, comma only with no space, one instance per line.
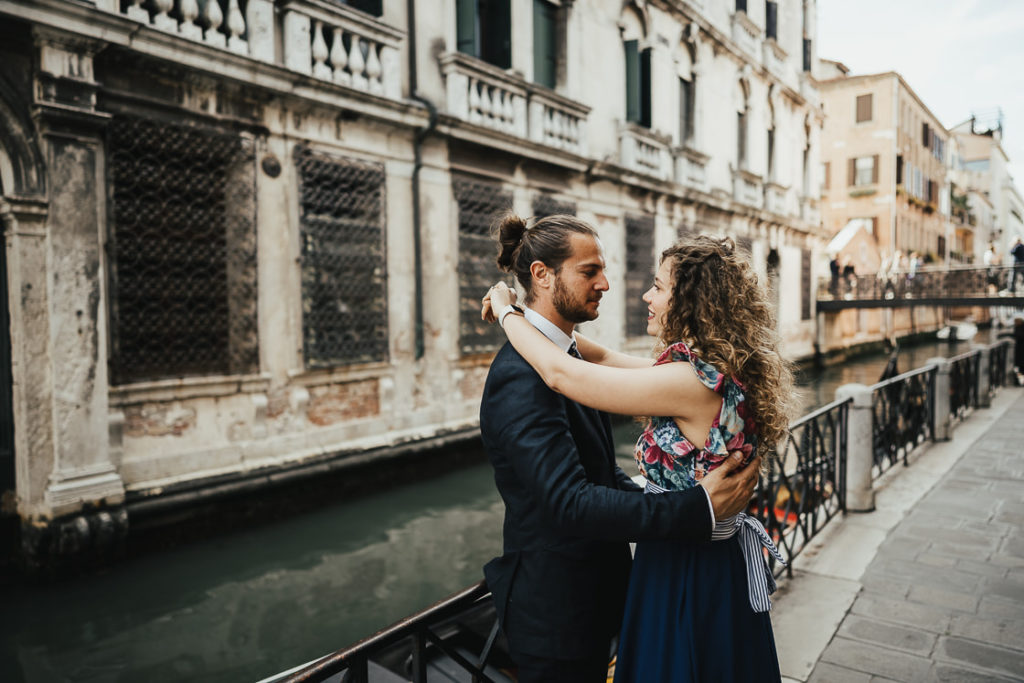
(344,264)
(480,203)
(546,205)
(182,251)
(640,269)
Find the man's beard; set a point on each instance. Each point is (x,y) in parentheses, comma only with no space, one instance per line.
(571,309)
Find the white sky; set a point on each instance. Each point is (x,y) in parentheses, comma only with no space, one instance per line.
(959,56)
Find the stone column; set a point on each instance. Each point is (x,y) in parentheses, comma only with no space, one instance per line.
(860,455)
(82,473)
(984,379)
(940,418)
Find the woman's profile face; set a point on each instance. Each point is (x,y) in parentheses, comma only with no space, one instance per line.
(658,298)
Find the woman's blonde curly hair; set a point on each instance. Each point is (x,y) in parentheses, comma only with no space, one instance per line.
(721,311)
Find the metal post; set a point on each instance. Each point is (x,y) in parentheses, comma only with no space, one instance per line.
(859,448)
(984,376)
(940,423)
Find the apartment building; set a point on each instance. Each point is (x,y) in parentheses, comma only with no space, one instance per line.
(884,158)
(981,169)
(246,242)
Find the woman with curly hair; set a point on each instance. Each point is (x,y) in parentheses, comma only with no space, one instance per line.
(718,384)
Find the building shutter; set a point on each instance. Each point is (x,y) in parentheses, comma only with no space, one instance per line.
(807,54)
(645,88)
(874,169)
(632,48)
(466,26)
(899,169)
(741,5)
(924,134)
(771,11)
(545,44)
(684,110)
(851,176)
(496,32)
(864,103)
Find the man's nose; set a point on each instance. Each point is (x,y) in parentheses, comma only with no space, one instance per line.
(602,283)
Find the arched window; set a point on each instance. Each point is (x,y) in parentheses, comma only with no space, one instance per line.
(742,122)
(638,69)
(687,93)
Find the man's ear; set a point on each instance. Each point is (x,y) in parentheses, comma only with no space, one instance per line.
(541,274)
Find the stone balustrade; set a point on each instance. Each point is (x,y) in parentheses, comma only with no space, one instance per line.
(644,151)
(746,188)
(330,42)
(809,211)
(775,198)
(746,34)
(487,96)
(775,60)
(691,168)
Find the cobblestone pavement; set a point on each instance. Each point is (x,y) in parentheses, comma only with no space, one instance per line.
(943,598)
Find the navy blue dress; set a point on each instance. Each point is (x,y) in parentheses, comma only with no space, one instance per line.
(688,613)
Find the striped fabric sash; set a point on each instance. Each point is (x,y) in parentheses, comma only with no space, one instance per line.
(753,537)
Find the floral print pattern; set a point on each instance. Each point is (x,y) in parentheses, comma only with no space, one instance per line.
(667,459)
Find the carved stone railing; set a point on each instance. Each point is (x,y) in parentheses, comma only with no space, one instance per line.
(775,60)
(491,97)
(746,188)
(337,44)
(558,122)
(691,168)
(775,198)
(329,41)
(219,23)
(809,211)
(745,33)
(644,151)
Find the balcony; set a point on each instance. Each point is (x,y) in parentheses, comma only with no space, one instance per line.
(775,60)
(809,211)
(644,151)
(746,188)
(775,198)
(746,34)
(487,96)
(691,168)
(333,43)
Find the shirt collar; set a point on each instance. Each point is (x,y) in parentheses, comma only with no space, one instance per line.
(549,329)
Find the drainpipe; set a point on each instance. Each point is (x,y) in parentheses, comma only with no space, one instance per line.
(417,151)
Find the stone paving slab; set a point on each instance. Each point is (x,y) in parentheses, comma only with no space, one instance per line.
(937,572)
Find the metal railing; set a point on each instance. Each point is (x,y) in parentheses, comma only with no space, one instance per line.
(963,383)
(421,632)
(902,412)
(957,282)
(805,485)
(803,489)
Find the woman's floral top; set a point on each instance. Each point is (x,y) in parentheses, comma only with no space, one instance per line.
(667,459)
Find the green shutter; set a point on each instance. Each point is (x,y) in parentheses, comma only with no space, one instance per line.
(632,80)
(465,26)
(545,43)
(645,88)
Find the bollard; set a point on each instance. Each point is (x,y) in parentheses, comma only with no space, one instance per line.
(940,418)
(984,377)
(860,448)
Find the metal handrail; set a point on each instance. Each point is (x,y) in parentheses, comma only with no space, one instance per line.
(902,410)
(420,626)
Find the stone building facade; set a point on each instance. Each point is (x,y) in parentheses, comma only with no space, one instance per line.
(885,159)
(245,240)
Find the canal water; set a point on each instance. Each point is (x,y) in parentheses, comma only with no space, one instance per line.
(244,606)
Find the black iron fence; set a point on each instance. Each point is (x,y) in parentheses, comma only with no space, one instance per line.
(802,490)
(902,415)
(929,282)
(963,383)
(805,485)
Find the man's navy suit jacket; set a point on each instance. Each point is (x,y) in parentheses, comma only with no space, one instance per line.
(560,586)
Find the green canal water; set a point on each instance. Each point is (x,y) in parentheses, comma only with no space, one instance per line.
(243,606)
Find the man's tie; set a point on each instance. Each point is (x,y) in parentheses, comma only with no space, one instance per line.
(574,352)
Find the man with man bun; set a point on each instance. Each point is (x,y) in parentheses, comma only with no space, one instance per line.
(559,587)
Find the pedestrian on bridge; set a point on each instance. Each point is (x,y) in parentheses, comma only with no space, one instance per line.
(1017,251)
